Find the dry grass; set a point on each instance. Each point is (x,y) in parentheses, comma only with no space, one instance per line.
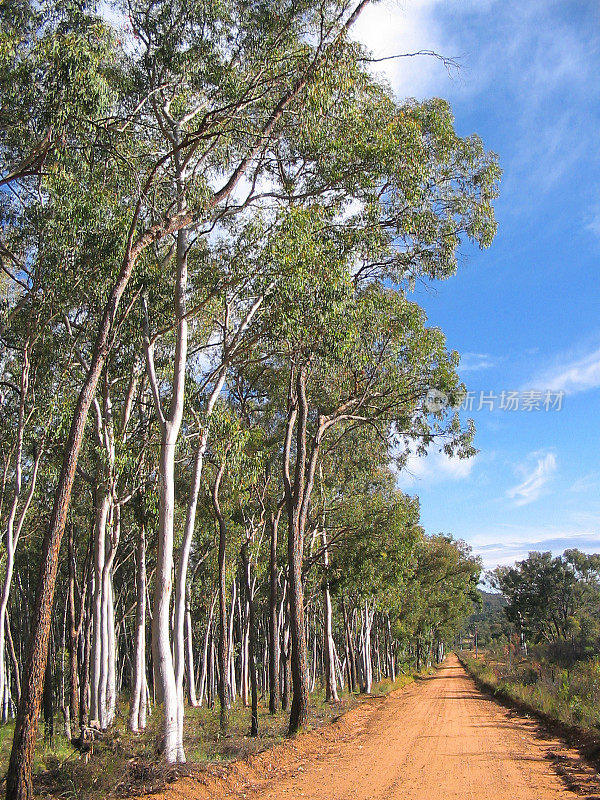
(569,696)
(121,764)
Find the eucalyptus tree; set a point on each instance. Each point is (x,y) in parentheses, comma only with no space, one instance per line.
(120,459)
(238,288)
(227,454)
(418,190)
(234,131)
(204,111)
(256,516)
(138,706)
(64,214)
(346,355)
(441,591)
(22,450)
(553,599)
(373,532)
(351,357)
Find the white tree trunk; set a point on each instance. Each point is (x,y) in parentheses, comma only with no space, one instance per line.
(164,673)
(191,675)
(137,712)
(111,639)
(182,568)
(15,520)
(164,668)
(331,694)
(231,655)
(244,662)
(205,653)
(103,503)
(10,560)
(104,648)
(366,650)
(181,586)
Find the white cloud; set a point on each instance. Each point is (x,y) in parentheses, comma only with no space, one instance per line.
(545,59)
(593,221)
(587,483)
(390,28)
(435,467)
(505,544)
(573,376)
(474,362)
(535,480)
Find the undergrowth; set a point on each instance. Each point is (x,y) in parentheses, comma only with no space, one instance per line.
(123,764)
(570,695)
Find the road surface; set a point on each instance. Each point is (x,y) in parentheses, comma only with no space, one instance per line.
(438,738)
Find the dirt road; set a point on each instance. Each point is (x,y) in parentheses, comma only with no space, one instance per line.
(438,738)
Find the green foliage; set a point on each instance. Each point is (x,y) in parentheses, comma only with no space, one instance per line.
(443,590)
(489,621)
(554,599)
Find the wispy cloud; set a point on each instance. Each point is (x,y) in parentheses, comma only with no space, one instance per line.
(593,220)
(475,362)
(535,480)
(505,544)
(578,374)
(547,60)
(390,28)
(587,483)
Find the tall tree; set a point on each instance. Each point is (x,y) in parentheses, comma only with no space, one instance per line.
(265,111)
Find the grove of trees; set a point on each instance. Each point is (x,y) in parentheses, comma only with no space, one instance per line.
(211,368)
(554,602)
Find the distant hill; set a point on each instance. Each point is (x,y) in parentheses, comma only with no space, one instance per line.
(489,621)
(492,600)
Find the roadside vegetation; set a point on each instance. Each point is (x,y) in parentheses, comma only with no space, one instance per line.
(544,650)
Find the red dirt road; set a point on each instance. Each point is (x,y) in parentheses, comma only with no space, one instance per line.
(438,738)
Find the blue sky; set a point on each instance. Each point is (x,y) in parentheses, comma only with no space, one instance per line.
(524,314)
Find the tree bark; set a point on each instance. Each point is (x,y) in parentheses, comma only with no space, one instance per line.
(13,658)
(273,618)
(48,696)
(294,496)
(331,695)
(137,712)
(84,695)
(184,556)
(98,697)
(16,520)
(162,656)
(162,659)
(251,639)
(230,633)
(73,640)
(351,654)
(222,645)
(191,673)
(111,638)
(205,652)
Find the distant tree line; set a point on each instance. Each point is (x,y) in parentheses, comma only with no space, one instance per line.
(554,601)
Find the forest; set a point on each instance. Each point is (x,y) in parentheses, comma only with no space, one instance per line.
(212,369)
